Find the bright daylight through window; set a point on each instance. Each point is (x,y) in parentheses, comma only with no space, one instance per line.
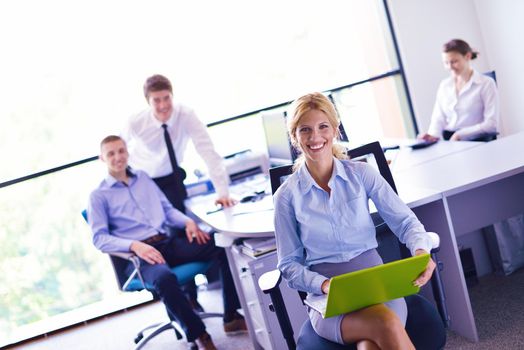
(72,72)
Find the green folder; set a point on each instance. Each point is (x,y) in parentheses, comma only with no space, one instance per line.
(375,285)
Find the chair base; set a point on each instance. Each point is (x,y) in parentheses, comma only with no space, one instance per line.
(158,328)
(141,339)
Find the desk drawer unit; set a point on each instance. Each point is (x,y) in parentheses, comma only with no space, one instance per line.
(267,329)
(296,310)
(249,288)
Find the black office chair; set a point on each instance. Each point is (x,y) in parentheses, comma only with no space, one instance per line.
(491,74)
(488,136)
(134,282)
(423,317)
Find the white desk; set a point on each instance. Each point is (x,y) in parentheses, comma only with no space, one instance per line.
(406,158)
(479,186)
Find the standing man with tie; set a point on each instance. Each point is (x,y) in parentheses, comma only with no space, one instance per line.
(157,139)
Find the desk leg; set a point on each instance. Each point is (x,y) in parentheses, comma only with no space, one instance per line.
(435,217)
(241,297)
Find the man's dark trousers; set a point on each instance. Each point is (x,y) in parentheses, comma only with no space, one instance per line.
(177,250)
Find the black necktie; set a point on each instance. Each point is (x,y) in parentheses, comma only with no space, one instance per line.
(178,173)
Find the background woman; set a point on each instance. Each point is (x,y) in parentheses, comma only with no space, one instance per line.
(467,104)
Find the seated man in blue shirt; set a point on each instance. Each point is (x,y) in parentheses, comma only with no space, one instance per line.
(129,213)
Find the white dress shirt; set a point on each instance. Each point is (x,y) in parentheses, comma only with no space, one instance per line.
(473,112)
(147,147)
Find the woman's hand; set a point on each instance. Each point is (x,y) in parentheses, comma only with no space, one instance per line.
(325,286)
(454,137)
(425,276)
(427,137)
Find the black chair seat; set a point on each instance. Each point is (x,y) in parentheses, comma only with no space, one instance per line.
(424,327)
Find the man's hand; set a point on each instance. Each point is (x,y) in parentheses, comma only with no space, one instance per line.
(425,276)
(147,252)
(427,137)
(226,201)
(193,232)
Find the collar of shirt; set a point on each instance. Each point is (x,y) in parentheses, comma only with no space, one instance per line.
(476,78)
(111,181)
(170,122)
(306,181)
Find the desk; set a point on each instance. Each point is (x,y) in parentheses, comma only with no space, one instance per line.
(479,186)
(406,158)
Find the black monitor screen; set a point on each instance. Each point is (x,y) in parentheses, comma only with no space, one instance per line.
(278,145)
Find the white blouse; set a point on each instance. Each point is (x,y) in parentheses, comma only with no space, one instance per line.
(474,111)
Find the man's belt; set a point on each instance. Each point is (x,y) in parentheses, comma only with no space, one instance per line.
(154,239)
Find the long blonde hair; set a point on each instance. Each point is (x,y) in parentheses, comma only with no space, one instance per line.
(304,104)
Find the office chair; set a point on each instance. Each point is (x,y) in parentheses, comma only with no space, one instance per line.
(491,74)
(134,282)
(423,317)
(489,136)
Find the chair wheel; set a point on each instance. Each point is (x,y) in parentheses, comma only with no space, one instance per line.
(138,338)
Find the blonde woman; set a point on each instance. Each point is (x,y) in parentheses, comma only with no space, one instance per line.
(323,227)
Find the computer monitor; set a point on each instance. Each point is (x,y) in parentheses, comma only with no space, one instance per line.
(342,131)
(279,148)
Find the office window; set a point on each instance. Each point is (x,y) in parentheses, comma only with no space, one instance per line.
(72,73)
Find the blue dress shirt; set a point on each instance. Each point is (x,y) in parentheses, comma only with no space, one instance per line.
(120,214)
(314,227)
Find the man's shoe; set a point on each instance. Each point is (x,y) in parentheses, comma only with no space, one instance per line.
(205,342)
(192,346)
(237,325)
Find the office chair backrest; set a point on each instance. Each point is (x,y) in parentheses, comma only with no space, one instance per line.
(375,149)
(278,175)
(388,245)
(492,75)
(119,267)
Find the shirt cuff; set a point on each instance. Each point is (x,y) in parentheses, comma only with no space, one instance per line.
(422,243)
(120,245)
(435,133)
(316,284)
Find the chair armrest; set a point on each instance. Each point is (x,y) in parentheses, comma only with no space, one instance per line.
(123,255)
(135,260)
(269,281)
(132,257)
(436,281)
